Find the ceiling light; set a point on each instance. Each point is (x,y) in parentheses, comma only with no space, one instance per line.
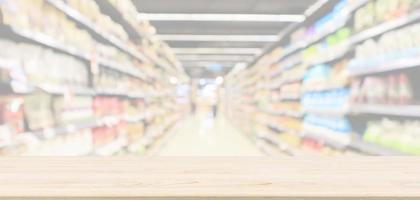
(314,7)
(220,17)
(214,57)
(253,51)
(190,64)
(213,38)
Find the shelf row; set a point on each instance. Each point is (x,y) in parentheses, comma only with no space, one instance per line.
(344,81)
(378,109)
(44,40)
(95,30)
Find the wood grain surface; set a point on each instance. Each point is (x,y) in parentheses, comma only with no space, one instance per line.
(208,178)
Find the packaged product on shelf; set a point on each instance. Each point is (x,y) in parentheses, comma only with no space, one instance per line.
(330,100)
(285,123)
(107,106)
(38,113)
(106,81)
(11,113)
(135,132)
(396,134)
(43,67)
(393,89)
(331,47)
(290,138)
(40,17)
(385,53)
(72,110)
(287,107)
(11,119)
(378,11)
(338,124)
(107,134)
(290,91)
(325,77)
(134,108)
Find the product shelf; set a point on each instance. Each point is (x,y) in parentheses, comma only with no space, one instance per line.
(47,41)
(341,22)
(287,148)
(96,31)
(280,129)
(344,71)
(111,148)
(324,87)
(385,27)
(372,32)
(385,109)
(23,87)
(273,147)
(124,96)
(327,112)
(372,149)
(282,113)
(294,97)
(107,8)
(286,67)
(41,39)
(332,55)
(278,84)
(399,64)
(332,138)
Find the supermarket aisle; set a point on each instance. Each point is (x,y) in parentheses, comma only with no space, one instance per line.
(201,135)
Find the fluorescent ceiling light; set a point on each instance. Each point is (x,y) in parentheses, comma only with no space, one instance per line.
(314,7)
(214,57)
(227,38)
(236,51)
(208,63)
(220,17)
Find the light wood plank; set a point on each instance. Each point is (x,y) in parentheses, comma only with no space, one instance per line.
(235,178)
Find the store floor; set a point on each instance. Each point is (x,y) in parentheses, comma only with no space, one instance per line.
(202,135)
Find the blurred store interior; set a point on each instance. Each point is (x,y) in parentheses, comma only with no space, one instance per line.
(209,77)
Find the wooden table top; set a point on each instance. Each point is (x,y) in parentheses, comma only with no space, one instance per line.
(222,177)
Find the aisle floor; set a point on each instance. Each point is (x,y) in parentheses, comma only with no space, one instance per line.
(202,135)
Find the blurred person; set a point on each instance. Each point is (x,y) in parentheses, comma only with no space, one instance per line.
(216,102)
(193,98)
(193,105)
(214,108)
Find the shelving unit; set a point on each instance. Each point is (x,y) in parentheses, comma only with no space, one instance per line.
(88,112)
(339,81)
(95,30)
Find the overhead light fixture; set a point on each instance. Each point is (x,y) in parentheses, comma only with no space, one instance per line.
(236,51)
(224,38)
(205,64)
(314,7)
(220,17)
(214,57)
